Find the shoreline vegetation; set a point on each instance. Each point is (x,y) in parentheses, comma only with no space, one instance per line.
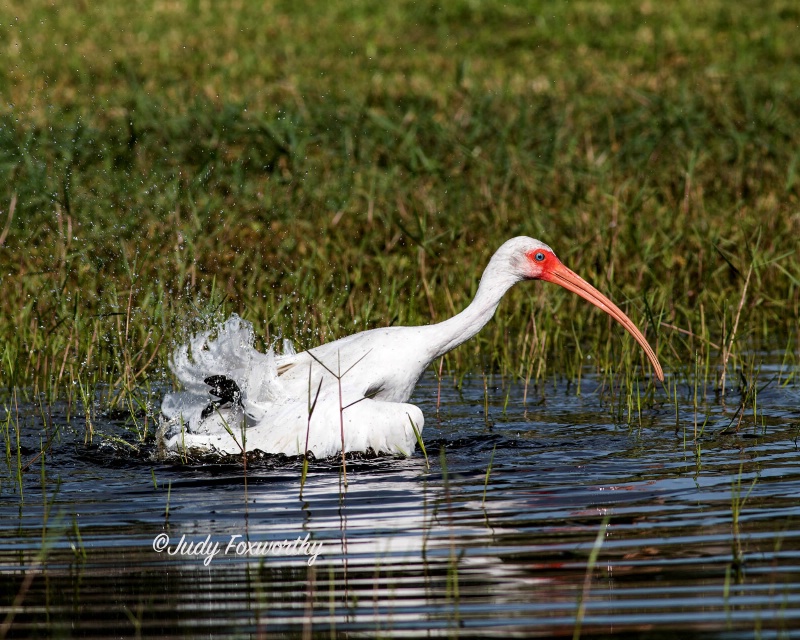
(322,170)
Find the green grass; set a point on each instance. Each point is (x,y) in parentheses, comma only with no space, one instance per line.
(326,168)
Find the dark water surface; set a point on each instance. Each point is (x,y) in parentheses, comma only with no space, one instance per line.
(628,530)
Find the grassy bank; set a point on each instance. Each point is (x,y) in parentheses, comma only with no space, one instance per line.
(324,168)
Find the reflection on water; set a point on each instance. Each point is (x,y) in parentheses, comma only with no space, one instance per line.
(701,538)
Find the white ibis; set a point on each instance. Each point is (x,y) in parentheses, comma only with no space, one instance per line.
(237,398)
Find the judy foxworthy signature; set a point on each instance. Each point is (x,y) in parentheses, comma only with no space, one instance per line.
(237,545)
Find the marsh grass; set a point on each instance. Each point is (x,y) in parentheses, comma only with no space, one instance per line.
(420,442)
(738,502)
(587,580)
(488,474)
(452,590)
(322,170)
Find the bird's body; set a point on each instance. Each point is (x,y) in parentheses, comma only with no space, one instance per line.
(358,385)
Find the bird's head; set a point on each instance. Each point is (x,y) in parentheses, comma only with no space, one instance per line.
(528,259)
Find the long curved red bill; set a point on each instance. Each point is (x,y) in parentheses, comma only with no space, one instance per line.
(558,274)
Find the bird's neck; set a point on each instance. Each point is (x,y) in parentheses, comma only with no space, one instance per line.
(451,333)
